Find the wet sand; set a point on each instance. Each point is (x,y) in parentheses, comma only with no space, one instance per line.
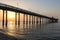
(6,37)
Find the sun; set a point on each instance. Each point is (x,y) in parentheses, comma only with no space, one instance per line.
(11,16)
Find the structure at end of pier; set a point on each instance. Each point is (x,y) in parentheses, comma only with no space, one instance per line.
(53,20)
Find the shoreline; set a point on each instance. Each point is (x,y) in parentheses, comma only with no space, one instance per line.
(6,37)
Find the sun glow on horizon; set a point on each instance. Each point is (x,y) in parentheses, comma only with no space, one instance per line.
(11,16)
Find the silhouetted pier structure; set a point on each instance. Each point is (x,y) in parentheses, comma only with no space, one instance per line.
(28,16)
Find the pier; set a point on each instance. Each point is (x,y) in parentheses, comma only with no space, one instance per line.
(28,16)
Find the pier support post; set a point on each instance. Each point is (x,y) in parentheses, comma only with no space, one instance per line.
(36,24)
(18,22)
(29,19)
(23,18)
(27,22)
(37,20)
(32,19)
(40,20)
(3,20)
(18,18)
(24,22)
(6,20)
(26,19)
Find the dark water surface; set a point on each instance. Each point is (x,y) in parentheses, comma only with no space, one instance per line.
(49,31)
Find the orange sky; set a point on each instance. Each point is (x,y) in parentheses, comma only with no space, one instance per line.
(10,15)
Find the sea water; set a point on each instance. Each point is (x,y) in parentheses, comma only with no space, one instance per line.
(48,31)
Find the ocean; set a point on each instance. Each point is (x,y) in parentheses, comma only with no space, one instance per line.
(48,31)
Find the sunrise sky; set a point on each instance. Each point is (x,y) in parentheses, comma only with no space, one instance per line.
(44,7)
